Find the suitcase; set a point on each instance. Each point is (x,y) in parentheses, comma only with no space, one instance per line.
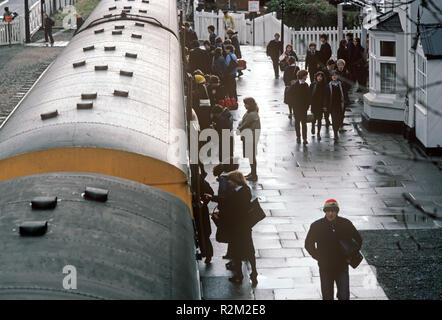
(242,64)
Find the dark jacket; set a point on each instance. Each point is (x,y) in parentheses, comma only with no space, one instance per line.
(325,52)
(212,39)
(299,96)
(350,49)
(274,49)
(318,91)
(290,74)
(49,23)
(235,43)
(219,67)
(312,60)
(200,59)
(329,101)
(344,77)
(322,243)
(225,121)
(216,93)
(190,36)
(343,54)
(357,57)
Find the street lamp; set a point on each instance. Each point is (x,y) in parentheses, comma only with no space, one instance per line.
(282,4)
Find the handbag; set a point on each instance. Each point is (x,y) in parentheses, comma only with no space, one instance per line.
(242,64)
(221,235)
(351,252)
(255,213)
(310,117)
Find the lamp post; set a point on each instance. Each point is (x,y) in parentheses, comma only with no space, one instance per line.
(282,4)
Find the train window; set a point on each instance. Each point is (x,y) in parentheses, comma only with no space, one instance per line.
(101,68)
(33,228)
(142,11)
(92,47)
(99,31)
(117,32)
(137,24)
(109,48)
(112,8)
(44,203)
(89,96)
(85,106)
(131,55)
(49,115)
(137,36)
(96,194)
(145,1)
(127,7)
(79,64)
(126,73)
(121,93)
(119,27)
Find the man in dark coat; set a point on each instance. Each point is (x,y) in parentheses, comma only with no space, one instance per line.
(212,36)
(274,50)
(350,49)
(325,51)
(322,243)
(223,121)
(200,59)
(299,98)
(48,23)
(189,35)
(312,61)
(289,76)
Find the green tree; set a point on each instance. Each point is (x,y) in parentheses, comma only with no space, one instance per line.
(312,13)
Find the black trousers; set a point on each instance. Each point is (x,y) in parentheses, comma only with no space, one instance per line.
(329,277)
(230,86)
(252,159)
(337,119)
(276,66)
(301,121)
(48,34)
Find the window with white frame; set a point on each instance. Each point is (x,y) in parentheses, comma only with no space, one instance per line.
(383,64)
(421,80)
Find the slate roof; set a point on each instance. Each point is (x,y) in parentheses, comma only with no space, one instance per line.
(430,37)
(388,22)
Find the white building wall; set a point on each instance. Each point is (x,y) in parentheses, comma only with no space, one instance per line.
(434,101)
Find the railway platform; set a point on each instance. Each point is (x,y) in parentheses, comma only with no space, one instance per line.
(366,172)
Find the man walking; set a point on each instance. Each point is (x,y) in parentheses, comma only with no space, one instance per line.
(323,244)
(274,50)
(49,23)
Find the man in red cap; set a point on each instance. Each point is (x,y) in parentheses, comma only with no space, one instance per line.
(323,244)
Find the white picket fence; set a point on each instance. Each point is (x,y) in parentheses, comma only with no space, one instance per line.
(204,19)
(16,33)
(12,33)
(263,29)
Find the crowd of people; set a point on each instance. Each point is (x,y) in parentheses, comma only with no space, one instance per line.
(214,69)
(330,82)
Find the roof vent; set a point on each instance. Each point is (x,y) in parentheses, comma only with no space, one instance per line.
(127,7)
(99,31)
(145,1)
(85,106)
(79,64)
(131,55)
(85,96)
(44,203)
(137,36)
(96,194)
(119,27)
(101,68)
(121,93)
(49,115)
(126,11)
(112,8)
(142,11)
(117,32)
(139,24)
(126,73)
(33,228)
(109,48)
(107,15)
(92,47)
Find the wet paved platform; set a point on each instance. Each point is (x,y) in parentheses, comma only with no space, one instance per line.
(365,172)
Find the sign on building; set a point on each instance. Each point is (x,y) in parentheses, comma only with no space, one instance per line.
(253,6)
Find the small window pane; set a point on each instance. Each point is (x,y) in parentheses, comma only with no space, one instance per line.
(388,48)
(388,78)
